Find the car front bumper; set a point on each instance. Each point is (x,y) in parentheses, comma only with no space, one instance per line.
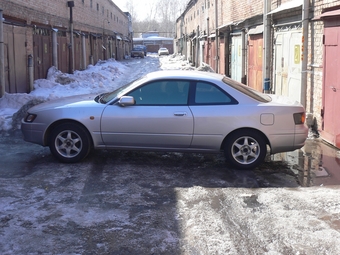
(33,133)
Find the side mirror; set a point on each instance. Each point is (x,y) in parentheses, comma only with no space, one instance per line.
(126,101)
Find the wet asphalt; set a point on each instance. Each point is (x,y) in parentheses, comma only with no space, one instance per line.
(316,164)
(125,202)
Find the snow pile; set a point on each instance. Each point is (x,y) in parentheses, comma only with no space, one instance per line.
(95,79)
(103,77)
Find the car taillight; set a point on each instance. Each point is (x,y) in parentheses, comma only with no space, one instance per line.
(30,117)
(299,118)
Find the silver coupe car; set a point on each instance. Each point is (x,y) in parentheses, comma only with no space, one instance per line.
(183,111)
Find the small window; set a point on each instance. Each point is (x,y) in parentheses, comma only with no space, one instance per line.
(170,92)
(207,93)
(97,7)
(91,3)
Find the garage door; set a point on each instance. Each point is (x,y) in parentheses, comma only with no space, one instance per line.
(287,70)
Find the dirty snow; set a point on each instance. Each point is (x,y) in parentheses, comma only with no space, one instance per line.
(64,210)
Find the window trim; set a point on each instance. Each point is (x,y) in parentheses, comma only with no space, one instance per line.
(192,95)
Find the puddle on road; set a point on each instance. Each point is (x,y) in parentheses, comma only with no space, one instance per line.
(316,164)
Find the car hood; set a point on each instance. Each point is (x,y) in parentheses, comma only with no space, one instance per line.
(66,102)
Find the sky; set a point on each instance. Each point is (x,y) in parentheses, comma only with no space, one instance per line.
(120,4)
(139,5)
(103,77)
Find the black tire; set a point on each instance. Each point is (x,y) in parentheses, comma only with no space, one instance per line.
(245,149)
(70,142)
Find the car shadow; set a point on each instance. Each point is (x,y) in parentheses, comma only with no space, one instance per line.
(207,170)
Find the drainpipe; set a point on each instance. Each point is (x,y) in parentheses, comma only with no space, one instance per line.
(55,48)
(181,37)
(304,56)
(207,59)
(2,57)
(266,46)
(71,67)
(226,53)
(243,71)
(83,44)
(197,46)
(216,39)
(30,71)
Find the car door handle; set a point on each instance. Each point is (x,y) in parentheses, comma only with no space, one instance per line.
(180,113)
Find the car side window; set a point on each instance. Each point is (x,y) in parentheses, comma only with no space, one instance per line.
(168,92)
(207,93)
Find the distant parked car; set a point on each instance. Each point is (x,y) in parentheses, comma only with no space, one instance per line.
(137,52)
(163,51)
(141,46)
(185,111)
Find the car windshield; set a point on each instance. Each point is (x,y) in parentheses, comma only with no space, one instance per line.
(247,90)
(107,97)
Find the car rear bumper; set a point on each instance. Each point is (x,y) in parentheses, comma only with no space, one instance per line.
(289,142)
(137,54)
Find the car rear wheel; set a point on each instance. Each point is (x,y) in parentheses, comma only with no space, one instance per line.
(70,142)
(245,149)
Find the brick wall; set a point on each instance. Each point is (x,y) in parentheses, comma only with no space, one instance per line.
(56,14)
(236,10)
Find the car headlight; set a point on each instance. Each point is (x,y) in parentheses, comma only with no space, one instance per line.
(30,117)
(299,118)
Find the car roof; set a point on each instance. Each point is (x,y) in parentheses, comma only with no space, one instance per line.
(184,74)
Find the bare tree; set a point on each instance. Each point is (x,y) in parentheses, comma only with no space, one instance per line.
(130,6)
(161,16)
(169,11)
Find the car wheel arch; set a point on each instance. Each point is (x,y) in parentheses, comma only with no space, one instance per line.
(63,121)
(238,151)
(244,130)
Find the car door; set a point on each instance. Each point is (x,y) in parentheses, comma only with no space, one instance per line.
(215,114)
(160,118)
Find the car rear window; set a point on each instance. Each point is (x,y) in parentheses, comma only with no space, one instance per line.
(247,90)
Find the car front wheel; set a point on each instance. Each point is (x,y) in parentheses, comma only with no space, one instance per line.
(69,142)
(245,149)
